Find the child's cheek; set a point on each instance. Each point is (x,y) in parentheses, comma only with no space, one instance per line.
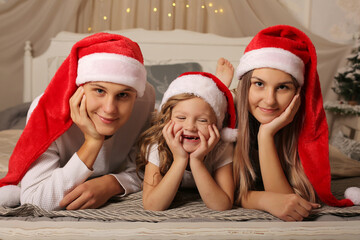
(177,127)
(205,131)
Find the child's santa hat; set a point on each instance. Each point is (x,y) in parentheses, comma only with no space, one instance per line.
(99,57)
(290,50)
(214,92)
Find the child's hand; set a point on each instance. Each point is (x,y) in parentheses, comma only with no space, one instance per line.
(206,145)
(80,117)
(289,207)
(173,140)
(284,119)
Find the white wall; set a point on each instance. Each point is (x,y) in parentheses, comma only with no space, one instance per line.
(335,20)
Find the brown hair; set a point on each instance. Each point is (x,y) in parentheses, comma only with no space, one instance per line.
(286,141)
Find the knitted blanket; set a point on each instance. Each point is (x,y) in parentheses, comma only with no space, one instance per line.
(187,206)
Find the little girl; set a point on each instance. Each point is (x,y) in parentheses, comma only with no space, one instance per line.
(183,146)
(281,162)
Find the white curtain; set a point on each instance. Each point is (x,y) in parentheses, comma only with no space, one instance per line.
(40,20)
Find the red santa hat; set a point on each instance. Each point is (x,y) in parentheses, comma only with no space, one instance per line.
(290,50)
(214,92)
(99,57)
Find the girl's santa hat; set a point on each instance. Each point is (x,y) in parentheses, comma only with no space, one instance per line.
(214,92)
(99,57)
(290,50)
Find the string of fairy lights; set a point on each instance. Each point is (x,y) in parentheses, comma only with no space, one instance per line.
(210,6)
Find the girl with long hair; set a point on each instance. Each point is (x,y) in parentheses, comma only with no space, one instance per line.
(281,162)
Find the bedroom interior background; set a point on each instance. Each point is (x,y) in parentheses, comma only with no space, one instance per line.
(39,21)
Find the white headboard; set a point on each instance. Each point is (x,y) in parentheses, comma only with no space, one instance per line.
(158,47)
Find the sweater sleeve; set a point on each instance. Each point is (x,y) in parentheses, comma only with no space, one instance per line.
(46,183)
(127,176)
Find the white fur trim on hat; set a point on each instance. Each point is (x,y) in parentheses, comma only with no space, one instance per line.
(111,67)
(353,193)
(277,58)
(200,86)
(229,134)
(9,196)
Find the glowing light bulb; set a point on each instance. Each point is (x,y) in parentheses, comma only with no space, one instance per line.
(187,5)
(221,10)
(210,4)
(169,14)
(155,9)
(128,10)
(202,6)
(105,18)
(89,29)
(174,4)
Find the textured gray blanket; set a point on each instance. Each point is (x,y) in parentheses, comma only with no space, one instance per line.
(187,206)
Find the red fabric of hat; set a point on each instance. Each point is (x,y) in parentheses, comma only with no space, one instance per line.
(51,118)
(289,49)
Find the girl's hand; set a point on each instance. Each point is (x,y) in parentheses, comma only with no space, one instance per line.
(289,207)
(285,117)
(173,140)
(206,145)
(80,117)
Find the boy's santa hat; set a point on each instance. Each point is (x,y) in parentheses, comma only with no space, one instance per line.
(290,50)
(214,92)
(99,57)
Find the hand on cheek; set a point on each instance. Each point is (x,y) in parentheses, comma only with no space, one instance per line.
(206,145)
(286,117)
(173,139)
(79,115)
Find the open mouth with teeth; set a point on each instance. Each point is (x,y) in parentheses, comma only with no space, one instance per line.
(190,138)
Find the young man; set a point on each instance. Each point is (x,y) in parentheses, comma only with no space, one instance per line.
(79,145)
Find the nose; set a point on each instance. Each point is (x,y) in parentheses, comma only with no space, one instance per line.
(270,97)
(190,125)
(109,105)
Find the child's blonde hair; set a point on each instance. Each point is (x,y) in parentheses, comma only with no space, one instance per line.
(286,140)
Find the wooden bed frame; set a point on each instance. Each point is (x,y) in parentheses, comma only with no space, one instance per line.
(158,47)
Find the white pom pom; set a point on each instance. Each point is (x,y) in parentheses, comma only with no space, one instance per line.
(353,193)
(229,134)
(9,196)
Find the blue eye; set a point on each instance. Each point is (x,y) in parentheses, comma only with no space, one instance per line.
(100,91)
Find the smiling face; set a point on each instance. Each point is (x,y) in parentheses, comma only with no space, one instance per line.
(271,91)
(192,116)
(109,105)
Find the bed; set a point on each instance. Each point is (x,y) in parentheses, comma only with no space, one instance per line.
(167,54)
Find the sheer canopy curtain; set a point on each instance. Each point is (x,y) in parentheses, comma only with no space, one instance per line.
(40,20)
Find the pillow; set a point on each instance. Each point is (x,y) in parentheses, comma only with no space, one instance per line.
(8,139)
(341,165)
(349,147)
(14,117)
(160,76)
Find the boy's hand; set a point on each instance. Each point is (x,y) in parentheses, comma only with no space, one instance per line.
(80,117)
(92,194)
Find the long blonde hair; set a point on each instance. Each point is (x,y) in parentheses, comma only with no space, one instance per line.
(154,135)
(286,140)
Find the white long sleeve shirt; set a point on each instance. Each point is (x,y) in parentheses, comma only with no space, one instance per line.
(59,170)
